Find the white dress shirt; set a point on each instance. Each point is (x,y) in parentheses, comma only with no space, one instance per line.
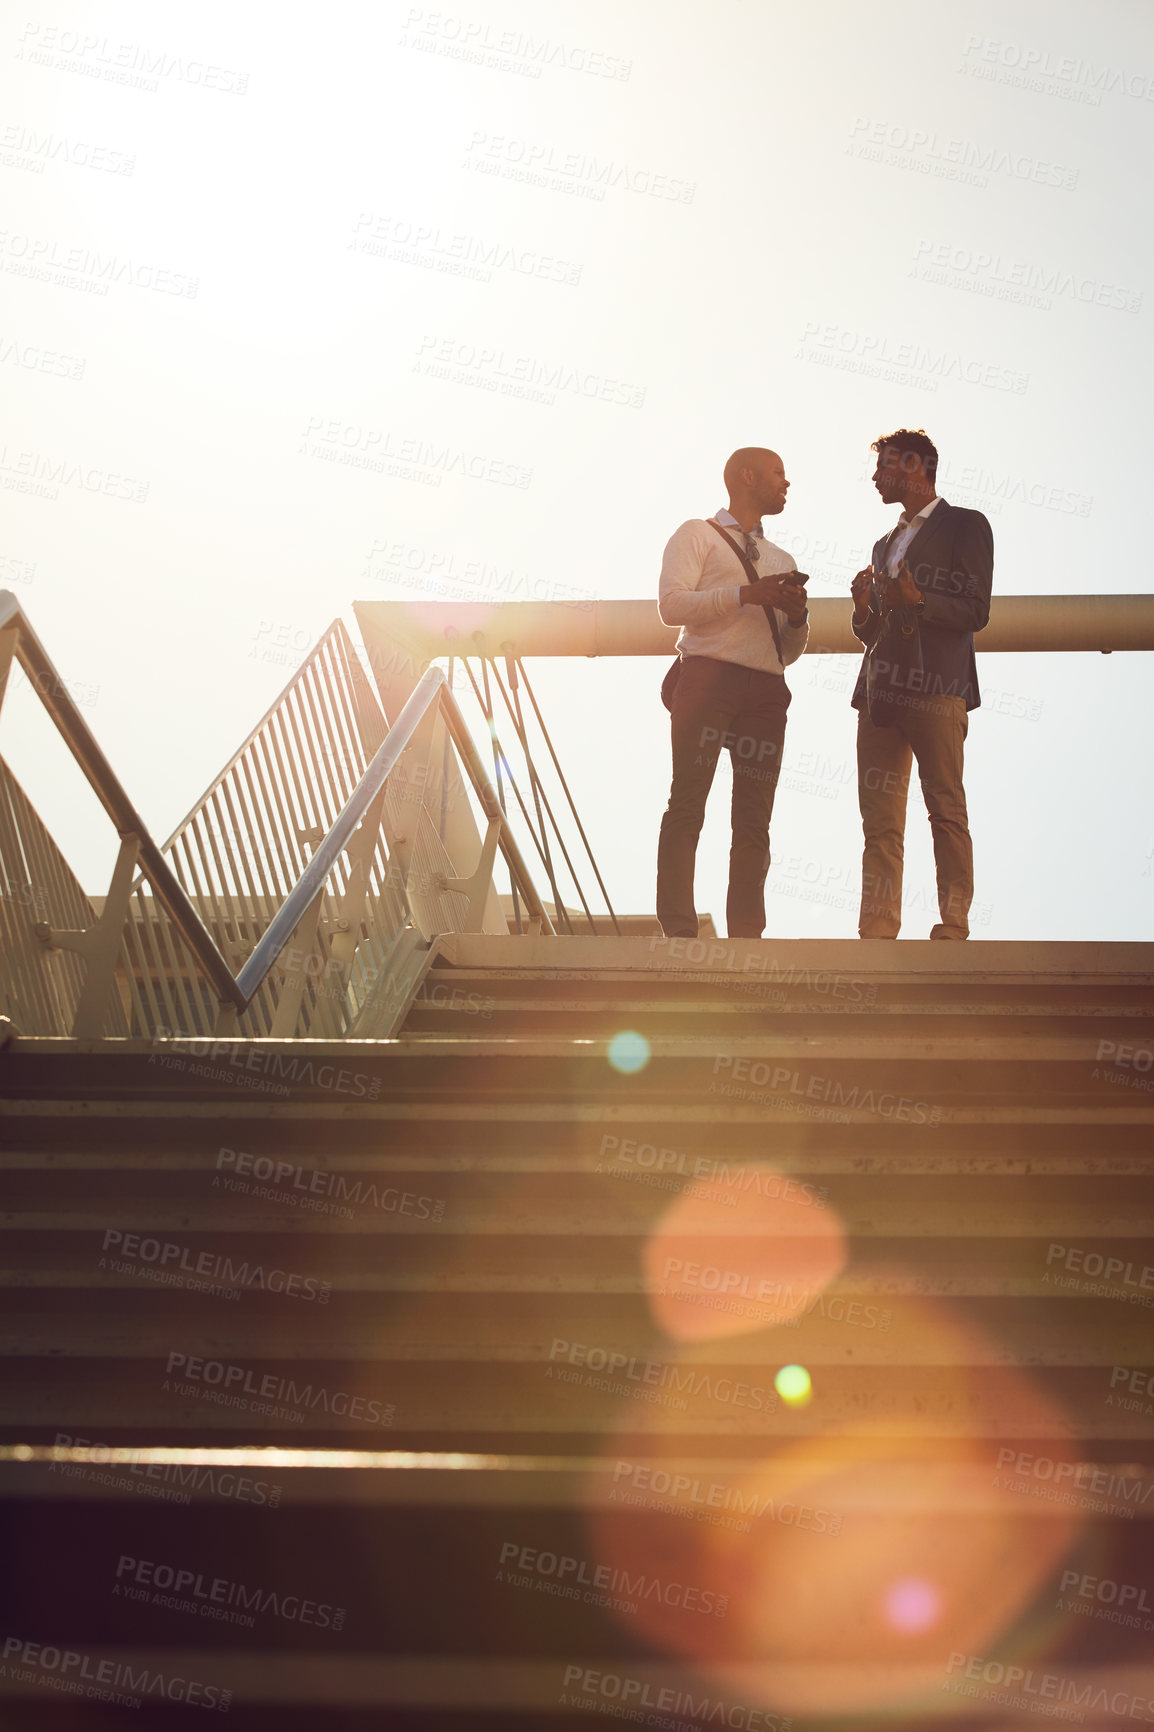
(700,591)
(903,533)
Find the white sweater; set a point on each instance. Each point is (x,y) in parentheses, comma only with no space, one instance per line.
(700,590)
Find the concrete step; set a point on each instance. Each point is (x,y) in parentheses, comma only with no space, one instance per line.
(494,1382)
(506,1406)
(313,1626)
(250,1195)
(851,1076)
(844,1324)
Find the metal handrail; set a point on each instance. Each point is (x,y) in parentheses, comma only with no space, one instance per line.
(430,687)
(240,850)
(240,990)
(287,918)
(98,772)
(254,734)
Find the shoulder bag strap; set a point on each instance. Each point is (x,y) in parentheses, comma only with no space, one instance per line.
(752,574)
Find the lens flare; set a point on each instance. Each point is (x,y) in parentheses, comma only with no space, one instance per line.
(628,1052)
(793,1385)
(855,1557)
(744,1246)
(913,1605)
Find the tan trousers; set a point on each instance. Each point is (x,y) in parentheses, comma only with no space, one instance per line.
(932,732)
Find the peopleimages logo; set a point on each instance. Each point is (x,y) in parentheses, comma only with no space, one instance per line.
(136,64)
(878,355)
(1028,67)
(78,1674)
(1107,1593)
(175,1259)
(455,254)
(207,1593)
(576,1573)
(236,1382)
(1019,281)
(1043,1687)
(384,451)
(38,255)
(692,954)
(43,473)
(569,171)
(743,1176)
(781,1078)
(1139,1387)
(411,562)
(484,43)
(33,359)
(646,1374)
(171,1481)
(1050,1475)
(1114,1272)
(629,1695)
(243,1056)
(924,151)
(527,377)
(286,1177)
(714,1502)
(25,147)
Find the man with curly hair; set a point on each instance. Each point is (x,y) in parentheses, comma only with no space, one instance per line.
(916,609)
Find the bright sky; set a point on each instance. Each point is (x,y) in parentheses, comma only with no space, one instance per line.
(239,240)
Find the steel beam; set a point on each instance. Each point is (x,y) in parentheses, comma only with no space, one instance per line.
(632,628)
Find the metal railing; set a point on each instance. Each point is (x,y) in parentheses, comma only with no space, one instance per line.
(37,882)
(246,842)
(365,806)
(316,864)
(541,821)
(187,948)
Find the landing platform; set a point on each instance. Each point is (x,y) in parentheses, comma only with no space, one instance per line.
(790,957)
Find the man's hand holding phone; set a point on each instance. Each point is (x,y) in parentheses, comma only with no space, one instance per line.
(786,591)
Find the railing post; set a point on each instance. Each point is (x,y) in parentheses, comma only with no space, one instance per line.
(99,945)
(406,788)
(476,887)
(397,670)
(346,931)
(8,639)
(383,1013)
(288,1007)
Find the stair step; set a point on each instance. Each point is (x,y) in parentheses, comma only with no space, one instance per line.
(498,1370)
(844,1324)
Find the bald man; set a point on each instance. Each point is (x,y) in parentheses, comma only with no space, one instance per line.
(741,605)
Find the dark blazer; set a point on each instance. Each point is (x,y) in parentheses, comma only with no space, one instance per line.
(952,561)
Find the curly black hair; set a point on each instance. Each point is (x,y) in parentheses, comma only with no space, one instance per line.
(905,439)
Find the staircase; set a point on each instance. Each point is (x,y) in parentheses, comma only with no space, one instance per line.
(527,1274)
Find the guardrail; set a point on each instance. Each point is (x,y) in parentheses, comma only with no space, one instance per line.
(28,841)
(378,885)
(431,689)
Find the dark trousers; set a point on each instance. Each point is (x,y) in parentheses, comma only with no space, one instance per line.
(720,706)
